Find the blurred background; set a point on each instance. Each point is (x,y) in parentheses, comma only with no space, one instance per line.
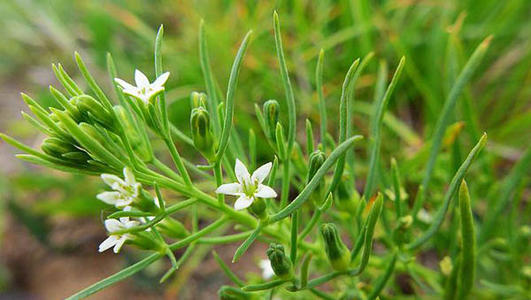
(50,222)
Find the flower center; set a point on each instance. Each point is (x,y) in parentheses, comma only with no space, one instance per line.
(249,188)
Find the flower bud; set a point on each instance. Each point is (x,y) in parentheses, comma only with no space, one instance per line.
(91,108)
(401,234)
(271,112)
(337,252)
(172,228)
(197,100)
(202,133)
(279,262)
(56,147)
(258,208)
(316,160)
(93,132)
(137,144)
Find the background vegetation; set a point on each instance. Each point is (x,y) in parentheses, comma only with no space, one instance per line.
(43,234)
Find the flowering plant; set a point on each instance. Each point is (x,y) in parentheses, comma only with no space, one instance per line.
(91,134)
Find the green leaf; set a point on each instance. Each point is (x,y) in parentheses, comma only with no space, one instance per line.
(229,101)
(467,266)
(315,181)
(452,189)
(123,274)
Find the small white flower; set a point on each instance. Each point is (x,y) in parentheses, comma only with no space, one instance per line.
(248,187)
(267,270)
(125,190)
(143,90)
(116,240)
(424,216)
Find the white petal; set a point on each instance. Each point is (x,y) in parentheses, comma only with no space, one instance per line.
(241,172)
(267,270)
(109,197)
(153,93)
(229,189)
(264,191)
(124,84)
(129,176)
(261,173)
(119,243)
(141,79)
(111,180)
(108,243)
(113,225)
(243,202)
(161,80)
(130,224)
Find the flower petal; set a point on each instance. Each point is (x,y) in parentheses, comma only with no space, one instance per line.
(264,191)
(141,79)
(119,243)
(261,173)
(108,243)
(129,176)
(267,270)
(125,85)
(109,197)
(229,189)
(241,172)
(161,80)
(113,225)
(243,202)
(111,179)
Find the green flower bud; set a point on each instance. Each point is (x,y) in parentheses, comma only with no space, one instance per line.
(197,100)
(258,208)
(56,147)
(144,240)
(93,132)
(202,133)
(91,108)
(271,112)
(137,143)
(337,252)
(172,228)
(279,262)
(401,234)
(231,293)
(317,158)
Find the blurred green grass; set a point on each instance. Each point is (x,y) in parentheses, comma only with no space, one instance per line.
(436,37)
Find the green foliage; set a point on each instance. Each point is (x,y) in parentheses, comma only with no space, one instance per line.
(466,63)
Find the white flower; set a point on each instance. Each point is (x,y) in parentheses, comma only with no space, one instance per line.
(267,270)
(125,190)
(248,187)
(143,90)
(116,240)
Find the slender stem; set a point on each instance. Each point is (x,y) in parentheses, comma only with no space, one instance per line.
(285,183)
(218,175)
(177,160)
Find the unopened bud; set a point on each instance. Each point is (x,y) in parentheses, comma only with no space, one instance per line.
(91,108)
(271,112)
(202,133)
(92,132)
(446,265)
(197,100)
(56,147)
(337,252)
(258,208)
(279,262)
(172,228)
(317,158)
